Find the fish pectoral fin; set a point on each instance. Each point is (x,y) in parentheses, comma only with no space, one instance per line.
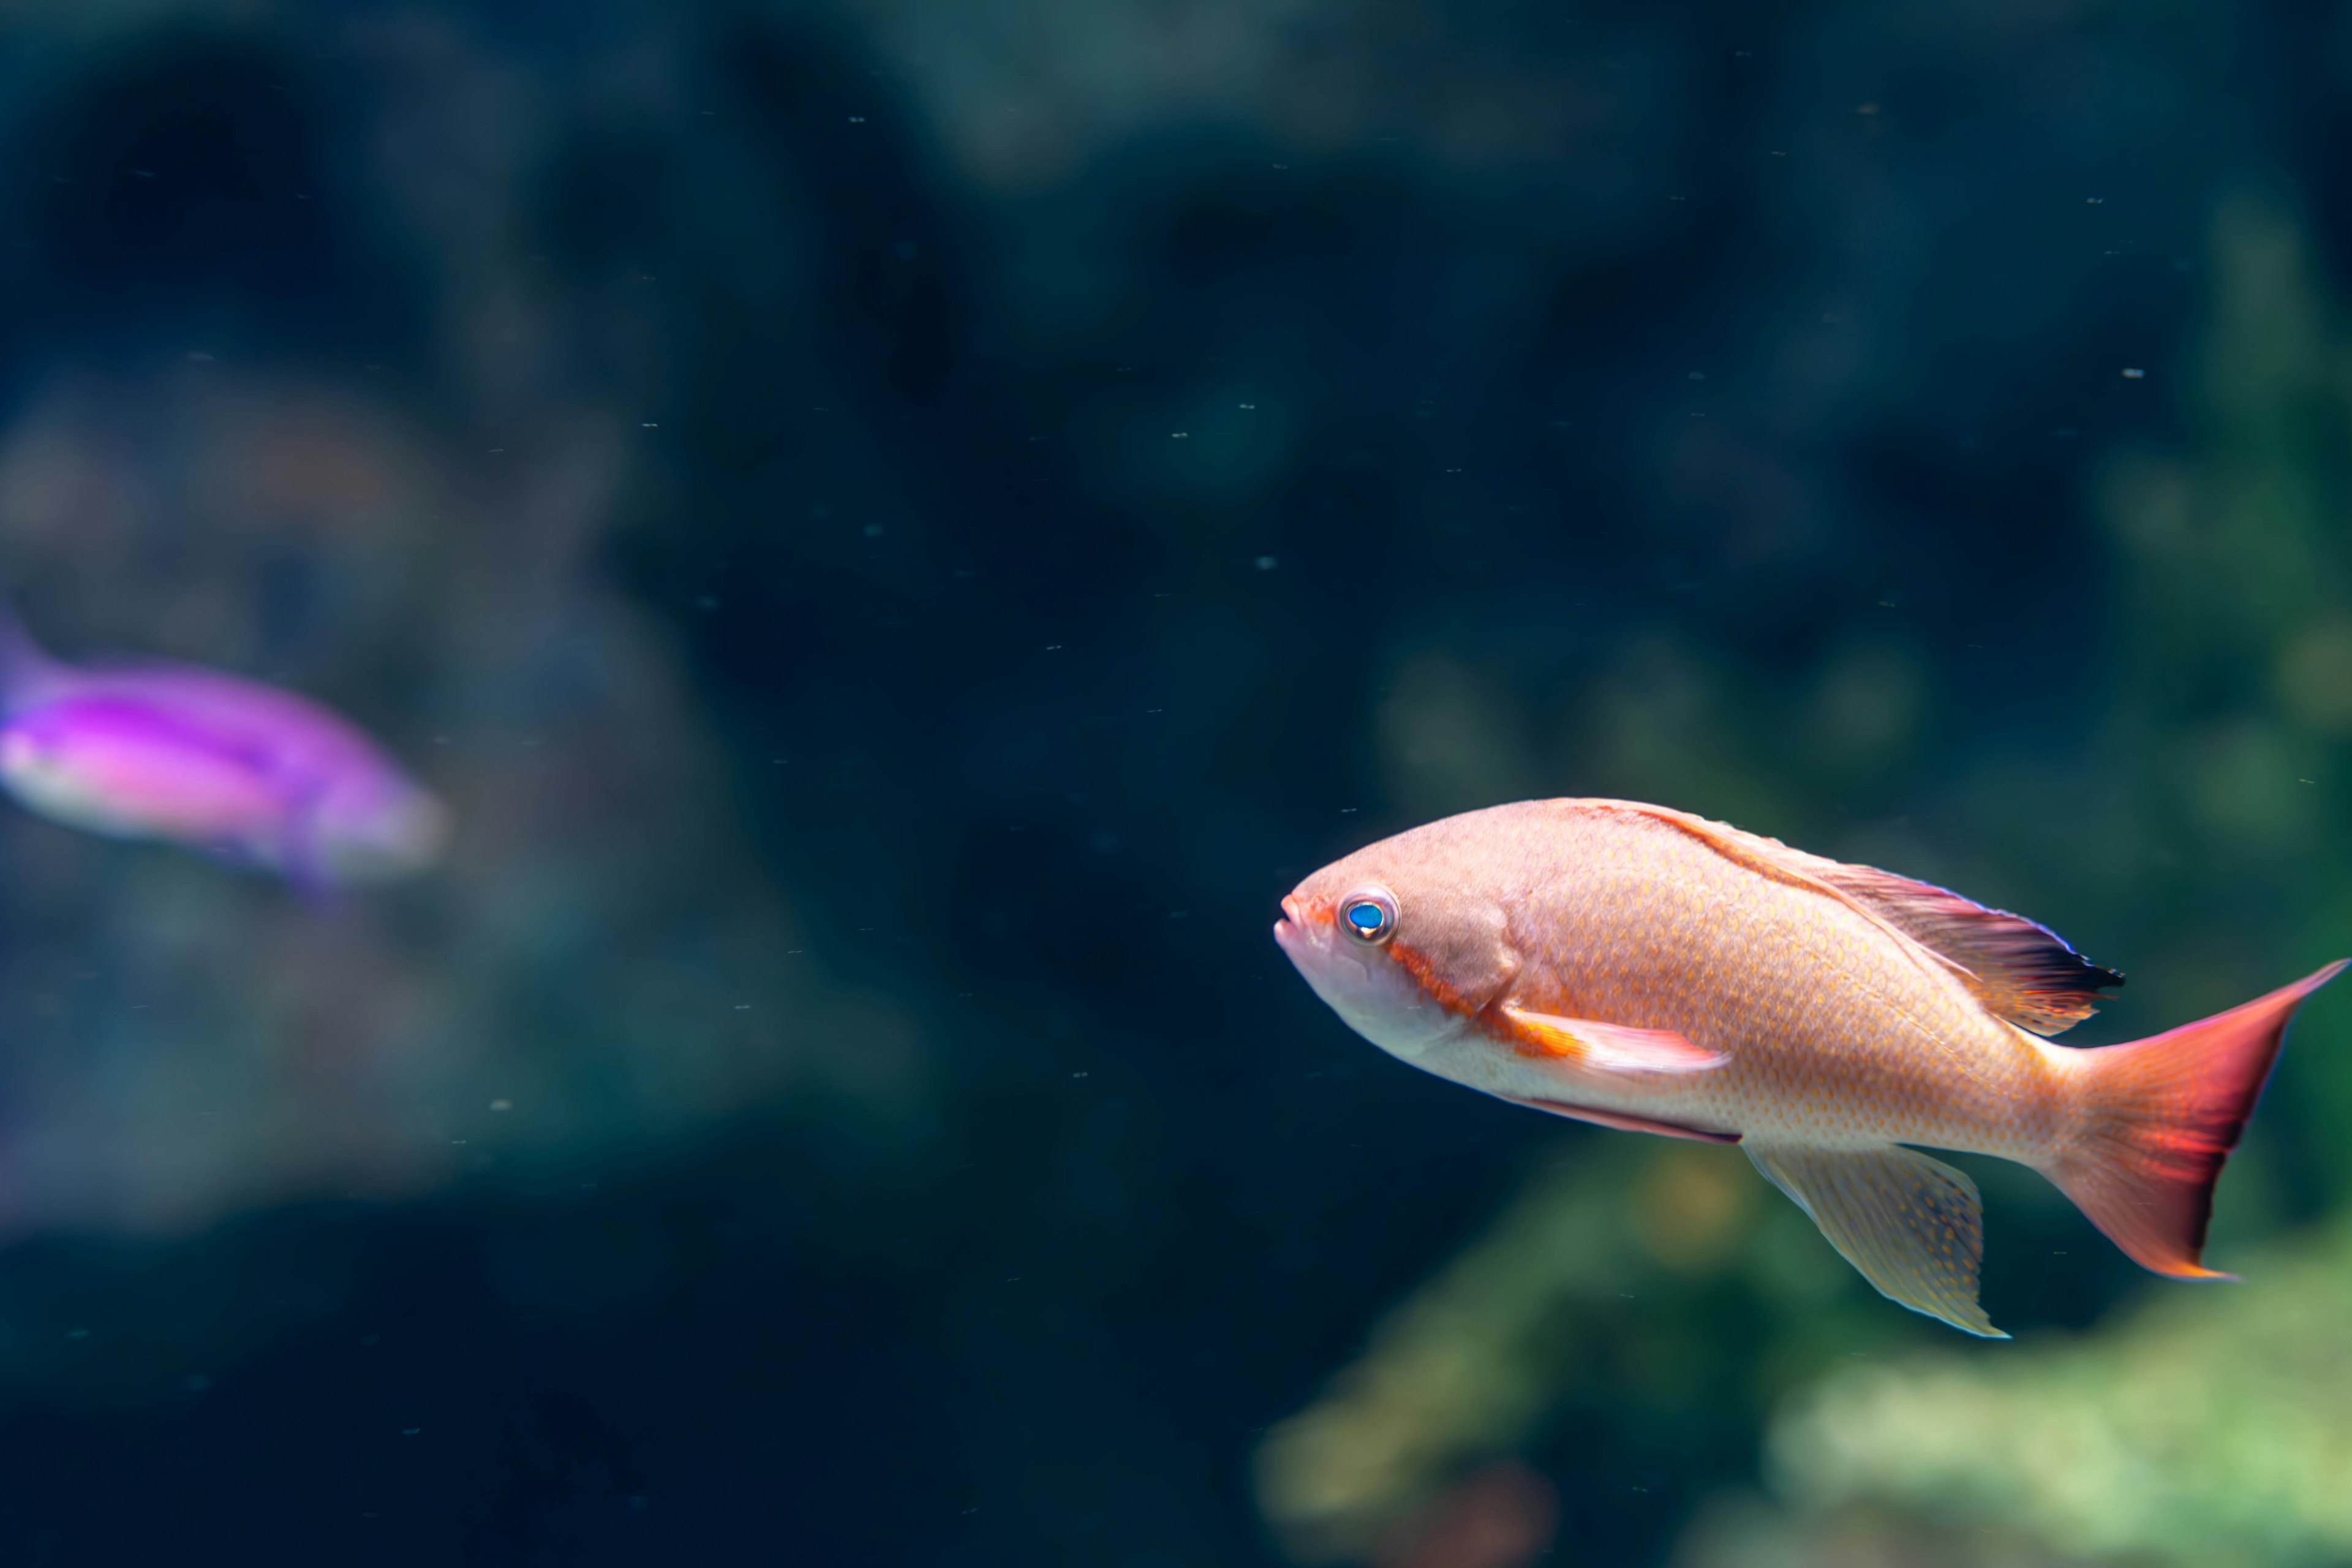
(1913,1225)
(1610,1048)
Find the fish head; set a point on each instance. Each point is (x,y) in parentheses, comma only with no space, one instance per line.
(377,824)
(1408,948)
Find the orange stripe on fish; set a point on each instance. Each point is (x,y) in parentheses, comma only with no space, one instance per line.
(1725,986)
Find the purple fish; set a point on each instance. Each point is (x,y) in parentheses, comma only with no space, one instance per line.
(255,775)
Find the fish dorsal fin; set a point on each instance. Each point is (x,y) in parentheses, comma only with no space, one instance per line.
(2020,971)
(1913,1225)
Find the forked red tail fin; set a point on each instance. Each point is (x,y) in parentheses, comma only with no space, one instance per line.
(2159,1115)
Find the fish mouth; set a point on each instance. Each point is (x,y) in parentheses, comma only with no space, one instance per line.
(1305,930)
(1290,931)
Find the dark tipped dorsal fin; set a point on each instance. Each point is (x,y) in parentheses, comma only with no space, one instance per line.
(2020,971)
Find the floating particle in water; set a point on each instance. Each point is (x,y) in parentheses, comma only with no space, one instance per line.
(2131,373)
(1268,563)
(502,1105)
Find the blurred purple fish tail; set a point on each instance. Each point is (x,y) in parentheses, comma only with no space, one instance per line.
(255,775)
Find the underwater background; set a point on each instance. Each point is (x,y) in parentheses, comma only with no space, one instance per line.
(900,528)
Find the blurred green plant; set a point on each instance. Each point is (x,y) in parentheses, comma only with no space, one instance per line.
(1605,1283)
(2210,1426)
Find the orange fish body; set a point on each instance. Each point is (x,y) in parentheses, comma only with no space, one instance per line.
(1641,968)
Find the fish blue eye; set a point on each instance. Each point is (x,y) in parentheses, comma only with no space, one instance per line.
(1370,917)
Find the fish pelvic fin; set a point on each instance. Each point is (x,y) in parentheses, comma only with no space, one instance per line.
(1913,1225)
(2157,1117)
(1606,1048)
(1623,1121)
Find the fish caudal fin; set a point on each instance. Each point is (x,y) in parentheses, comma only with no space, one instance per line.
(25,668)
(2159,1117)
(1913,1225)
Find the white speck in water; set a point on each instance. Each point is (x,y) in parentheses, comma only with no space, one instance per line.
(872,531)
(742,1006)
(1078,1075)
(77,1333)
(1268,563)
(502,1105)
(198,1382)
(1699,376)
(1245,406)
(858,120)
(2133,374)
(651,426)
(1179,434)
(410,1431)
(2096,201)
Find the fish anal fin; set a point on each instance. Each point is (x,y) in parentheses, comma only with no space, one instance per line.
(2020,971)
(1913,1225)
(1606,1048)
(1622,1122)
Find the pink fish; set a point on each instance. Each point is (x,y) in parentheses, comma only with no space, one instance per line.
(1645,969)
(257,775)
